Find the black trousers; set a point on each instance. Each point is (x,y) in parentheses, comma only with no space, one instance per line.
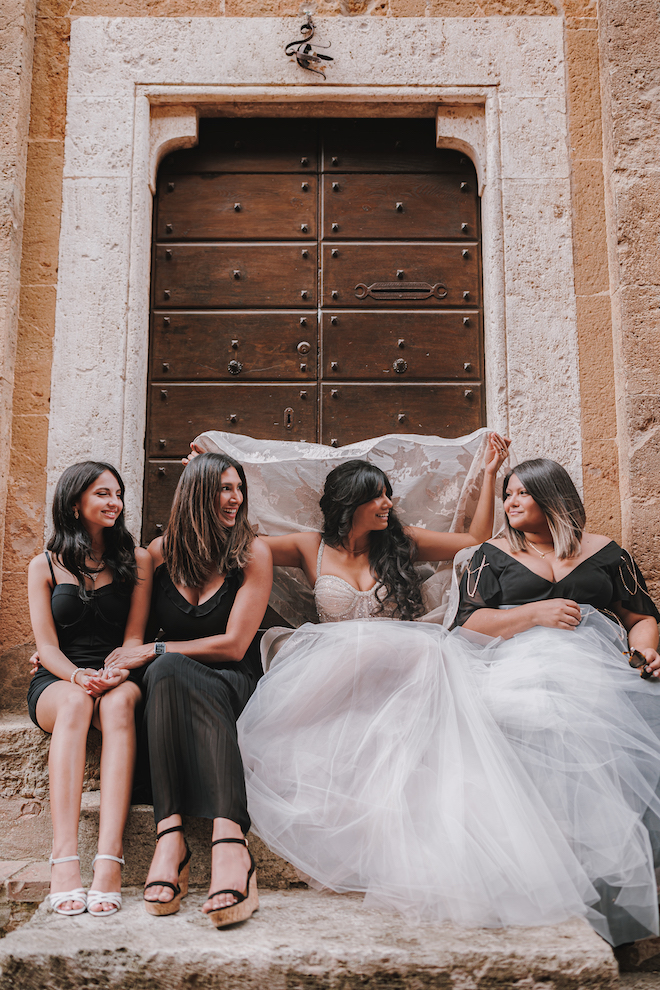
(190,717)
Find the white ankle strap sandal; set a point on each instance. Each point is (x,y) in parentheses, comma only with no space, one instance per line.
(61,897)
(96,897)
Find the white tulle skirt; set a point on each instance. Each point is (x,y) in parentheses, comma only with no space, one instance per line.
(453,777)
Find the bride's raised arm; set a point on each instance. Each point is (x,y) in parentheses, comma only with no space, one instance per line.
(432,545)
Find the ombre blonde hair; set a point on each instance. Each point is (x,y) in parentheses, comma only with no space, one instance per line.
(550,486)
(196,544)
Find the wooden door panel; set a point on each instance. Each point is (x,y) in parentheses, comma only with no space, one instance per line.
(161,479)
(402,346)
(355,412)
(240,146)
(398,206)
(200,346)
(179,412)
(232,207)
(394,145)
(400,275)
(235,275)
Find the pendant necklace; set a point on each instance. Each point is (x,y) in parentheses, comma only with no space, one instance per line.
(94,574)
(539,552)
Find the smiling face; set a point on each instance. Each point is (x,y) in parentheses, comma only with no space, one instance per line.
(373,515)
(101,503)
(230,498)
(522,511)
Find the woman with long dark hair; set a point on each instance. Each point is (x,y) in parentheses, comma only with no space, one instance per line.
(371,762)
(569,612)
(211,586)
(89,593)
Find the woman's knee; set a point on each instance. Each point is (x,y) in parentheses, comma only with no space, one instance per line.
(72,707)
(167,666)
(117,707)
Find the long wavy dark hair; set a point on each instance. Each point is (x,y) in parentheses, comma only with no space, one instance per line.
(196,543)
(551,487)
(391,552)
(71,544)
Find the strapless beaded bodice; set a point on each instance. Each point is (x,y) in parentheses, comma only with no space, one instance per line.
(337,600)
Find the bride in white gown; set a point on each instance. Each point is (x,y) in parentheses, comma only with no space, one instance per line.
(371,762)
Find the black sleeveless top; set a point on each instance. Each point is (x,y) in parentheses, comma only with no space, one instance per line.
(610,575)
(174,618)
(87,631)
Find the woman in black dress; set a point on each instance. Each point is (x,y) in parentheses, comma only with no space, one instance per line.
(571,609)
(211,586)
(88,593)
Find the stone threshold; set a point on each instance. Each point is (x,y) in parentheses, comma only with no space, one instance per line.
(299,940)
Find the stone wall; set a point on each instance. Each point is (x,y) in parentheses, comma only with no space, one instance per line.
(16,50)
(601,428)
(630,52)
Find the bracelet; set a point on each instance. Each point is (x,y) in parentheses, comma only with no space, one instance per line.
(73,676)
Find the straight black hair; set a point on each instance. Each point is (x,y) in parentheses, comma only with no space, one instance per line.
(391,552)
(71,544)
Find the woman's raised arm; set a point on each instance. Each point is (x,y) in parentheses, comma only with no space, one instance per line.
(444,546)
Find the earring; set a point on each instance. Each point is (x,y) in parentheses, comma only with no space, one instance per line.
(75,513)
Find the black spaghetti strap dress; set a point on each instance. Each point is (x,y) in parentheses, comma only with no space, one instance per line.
(87,629)
(191,709)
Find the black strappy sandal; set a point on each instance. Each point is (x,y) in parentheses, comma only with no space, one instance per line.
(180,889)
(246,903)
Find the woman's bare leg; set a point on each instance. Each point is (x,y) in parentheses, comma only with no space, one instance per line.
(65,711)
(230,863)
(169,852)
(115,717)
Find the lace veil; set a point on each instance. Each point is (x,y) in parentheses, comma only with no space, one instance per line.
(436,484)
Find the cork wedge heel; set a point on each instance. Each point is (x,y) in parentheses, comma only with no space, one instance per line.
(160,908)
(246,902)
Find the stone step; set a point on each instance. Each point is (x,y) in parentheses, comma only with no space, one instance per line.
(28,837)
(24,758)
(140,839)
(26,830)
(299,940)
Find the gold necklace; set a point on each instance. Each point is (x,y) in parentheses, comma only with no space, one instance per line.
(539,552)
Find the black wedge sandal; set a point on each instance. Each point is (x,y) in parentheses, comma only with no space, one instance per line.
(246,903)
(180,889)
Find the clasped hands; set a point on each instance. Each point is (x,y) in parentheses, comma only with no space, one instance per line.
(115,671)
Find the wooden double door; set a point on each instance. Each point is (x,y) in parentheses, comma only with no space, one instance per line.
(312,280)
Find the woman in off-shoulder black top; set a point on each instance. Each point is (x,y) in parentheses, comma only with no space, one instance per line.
(607,577)
(565,609)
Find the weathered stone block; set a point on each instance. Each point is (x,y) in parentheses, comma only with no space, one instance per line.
(600,459)
(591,267)
(49,78)
(597,398)
(582,63)
(42,212)
(640,348)
(99,143)
(24,763)
(534,138)
(298,939)
(29,884)
(638,220)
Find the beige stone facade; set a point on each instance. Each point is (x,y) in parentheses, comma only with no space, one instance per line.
(570,130)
